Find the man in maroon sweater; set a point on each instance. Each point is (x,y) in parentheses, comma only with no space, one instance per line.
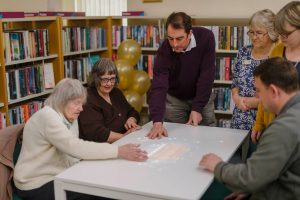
(183,76)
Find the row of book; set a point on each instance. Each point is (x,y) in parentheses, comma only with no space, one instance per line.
(226,37)
(29,80)
(20,114)
(223,123)
(2,120)
(230,37)
(145,35)
(26,44)
(224,68)
(146,63)
(83,38)
(78,68)
(223,100)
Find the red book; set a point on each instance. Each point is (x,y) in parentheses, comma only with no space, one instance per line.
(11,14)
(227,68)
(133,13)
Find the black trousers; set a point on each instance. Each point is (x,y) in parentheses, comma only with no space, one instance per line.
(46,192)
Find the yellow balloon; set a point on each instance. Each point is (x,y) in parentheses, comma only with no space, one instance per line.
(125,72)
(134,99)
(129,50)
(140,83)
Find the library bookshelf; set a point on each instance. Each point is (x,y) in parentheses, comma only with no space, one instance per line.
(148,31)
(230,35)
(25,46)
(84,40)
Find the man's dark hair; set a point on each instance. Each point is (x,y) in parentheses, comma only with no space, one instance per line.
(179,20)
(279,72)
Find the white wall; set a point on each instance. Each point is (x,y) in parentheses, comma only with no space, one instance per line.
(207,8)
(24,5)
(199,8)
(36,5)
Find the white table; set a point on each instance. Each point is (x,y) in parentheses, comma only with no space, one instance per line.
(173,177)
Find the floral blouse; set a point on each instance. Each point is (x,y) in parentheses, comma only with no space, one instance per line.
(243,79)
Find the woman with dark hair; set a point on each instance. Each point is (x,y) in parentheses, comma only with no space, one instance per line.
(107,115)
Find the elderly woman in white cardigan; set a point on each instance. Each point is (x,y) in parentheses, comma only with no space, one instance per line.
(51,143)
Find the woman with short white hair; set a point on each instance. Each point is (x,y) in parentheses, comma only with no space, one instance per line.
(51,143)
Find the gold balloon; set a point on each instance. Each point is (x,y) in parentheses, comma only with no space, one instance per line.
(140,82)
(134,99)
(125,72)
(129,50)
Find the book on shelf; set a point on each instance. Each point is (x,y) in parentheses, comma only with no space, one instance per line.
(230,37)
(48,75)
(62,14)
(25,44)
(94,59)
(20,114)
(223,98)
(2,120)
(146,63)
(80,68)
(83,38)
(145,35)
(224,68)
(29,80)
(11,14)
(224,123)
(133,13)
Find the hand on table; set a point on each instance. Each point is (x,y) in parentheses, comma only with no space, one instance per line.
(195,118)
(132,152)
(132,129)
(157,131)
(210,161)
(130,123)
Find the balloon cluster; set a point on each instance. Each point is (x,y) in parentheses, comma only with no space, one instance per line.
(134,83)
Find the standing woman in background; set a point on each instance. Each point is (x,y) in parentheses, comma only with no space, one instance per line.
(263,36)
(287,24)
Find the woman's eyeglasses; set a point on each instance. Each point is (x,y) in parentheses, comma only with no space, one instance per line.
(285,35)
(258,34)
(105,81)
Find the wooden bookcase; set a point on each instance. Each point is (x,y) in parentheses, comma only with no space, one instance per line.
(147,31)
(88,22)
(91,46)
(54,56)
